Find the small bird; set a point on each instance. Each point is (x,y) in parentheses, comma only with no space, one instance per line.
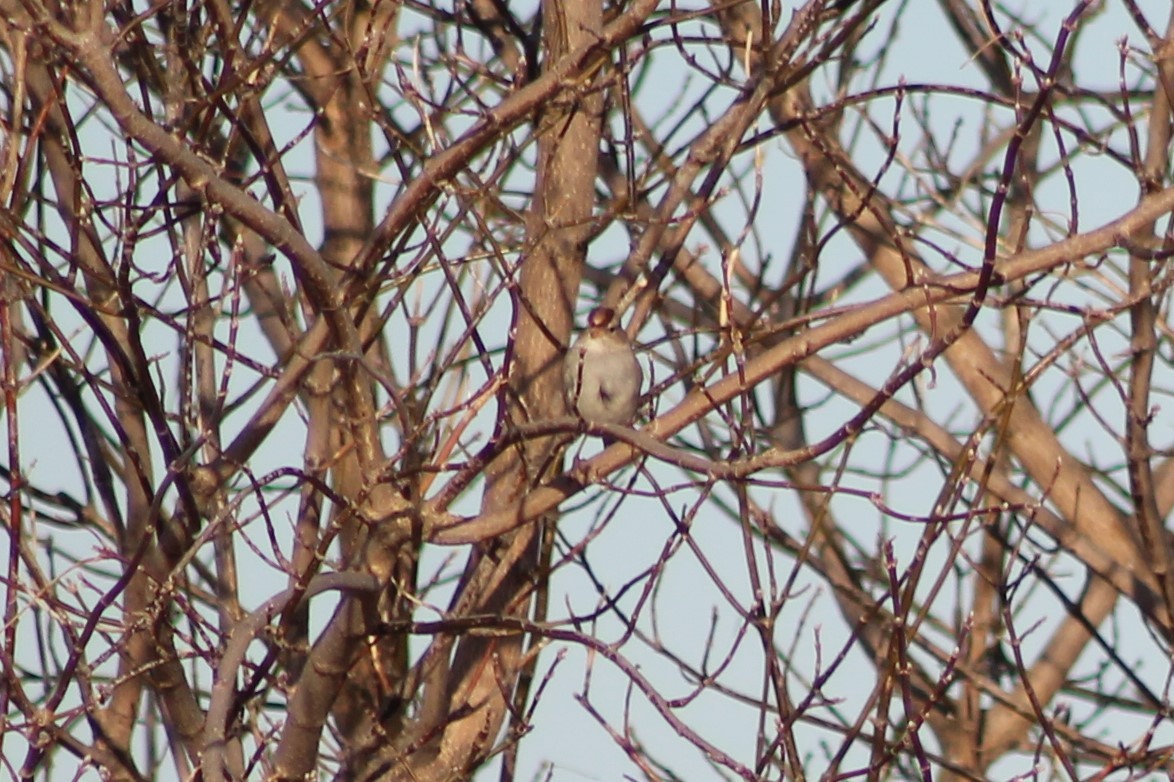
(601,376)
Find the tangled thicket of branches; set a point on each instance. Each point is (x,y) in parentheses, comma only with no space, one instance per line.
(291,489)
